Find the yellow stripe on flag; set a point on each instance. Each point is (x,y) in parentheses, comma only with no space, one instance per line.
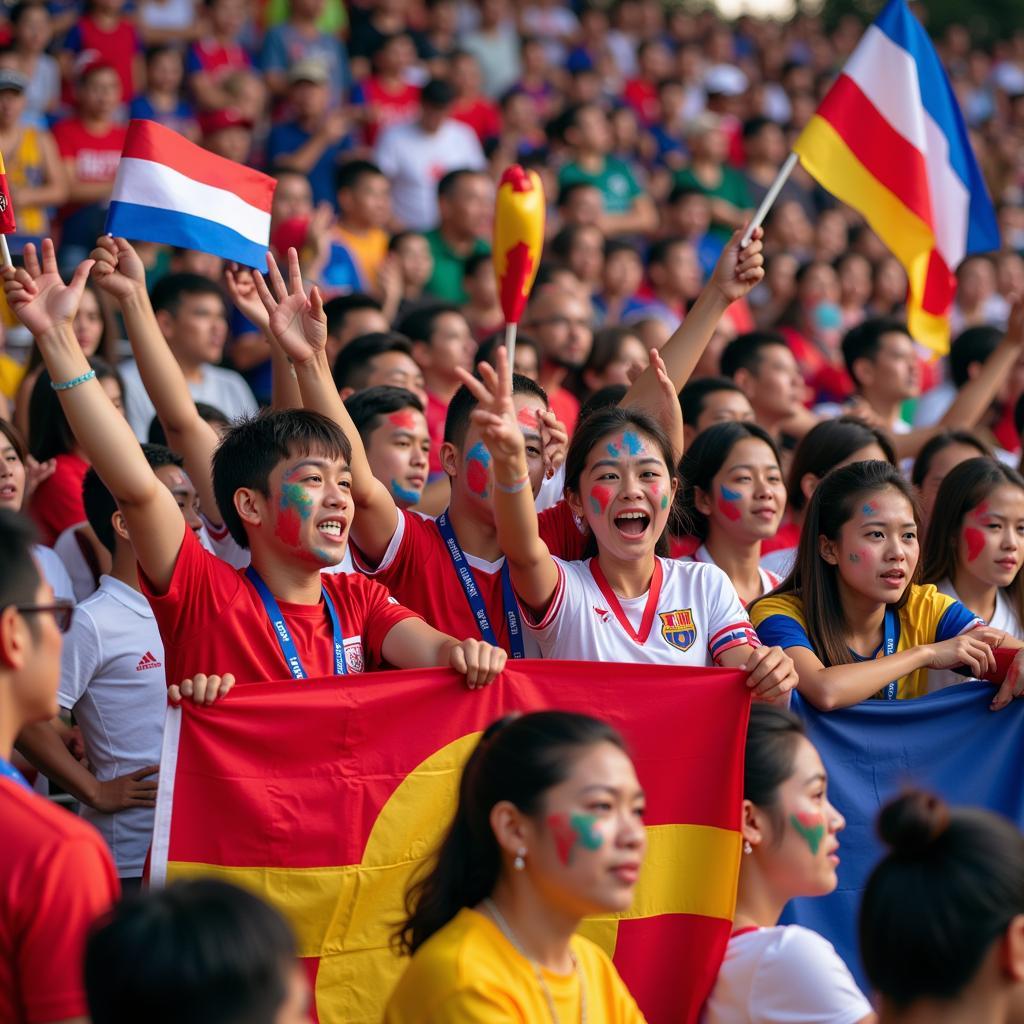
(832,163)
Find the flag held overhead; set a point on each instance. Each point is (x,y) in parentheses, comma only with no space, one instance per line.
(518,238)
(172,191)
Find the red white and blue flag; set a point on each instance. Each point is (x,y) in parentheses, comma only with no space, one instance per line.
(171,191)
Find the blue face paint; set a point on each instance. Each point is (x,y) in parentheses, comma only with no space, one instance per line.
(730,495)
(613,450)
(404,493)
(632,442)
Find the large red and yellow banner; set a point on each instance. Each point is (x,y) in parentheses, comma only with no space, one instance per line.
(326,796)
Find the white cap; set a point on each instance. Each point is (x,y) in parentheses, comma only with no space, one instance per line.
(725,80)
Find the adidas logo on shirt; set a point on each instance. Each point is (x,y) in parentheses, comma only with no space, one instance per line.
(147,661)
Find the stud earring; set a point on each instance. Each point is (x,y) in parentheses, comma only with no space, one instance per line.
(520,862)
(747,848)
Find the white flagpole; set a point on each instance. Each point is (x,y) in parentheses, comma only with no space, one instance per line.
(772,194)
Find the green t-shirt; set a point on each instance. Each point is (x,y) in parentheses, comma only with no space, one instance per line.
(732,188)
(446,281)
(617,183)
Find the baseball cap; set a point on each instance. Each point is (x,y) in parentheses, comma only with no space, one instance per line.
(437,93)
(725,80)
(217,120)
(12,80)
(308,70)
(706,121)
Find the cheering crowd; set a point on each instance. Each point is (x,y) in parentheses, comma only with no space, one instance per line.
(700,453)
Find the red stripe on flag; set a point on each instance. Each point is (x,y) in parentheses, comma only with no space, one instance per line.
(7,225)
(939,286)
(147,140)
(885,154)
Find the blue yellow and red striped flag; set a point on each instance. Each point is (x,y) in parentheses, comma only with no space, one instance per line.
(889,140)
(325,798)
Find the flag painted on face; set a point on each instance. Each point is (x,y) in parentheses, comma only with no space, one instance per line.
(171,191)
(889,140)
(326,800)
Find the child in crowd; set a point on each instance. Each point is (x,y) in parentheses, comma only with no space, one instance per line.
(733,498)
(975,547)
(850,614)
(774,972)
(491,927)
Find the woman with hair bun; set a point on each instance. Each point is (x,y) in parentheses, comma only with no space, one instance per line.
(942,921)
(548,830)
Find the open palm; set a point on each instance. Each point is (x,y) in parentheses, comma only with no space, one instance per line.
(297,321)
(39,297)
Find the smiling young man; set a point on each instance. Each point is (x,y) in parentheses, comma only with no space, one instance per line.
(282,484)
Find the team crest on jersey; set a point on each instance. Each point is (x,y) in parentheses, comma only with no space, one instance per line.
(678,629)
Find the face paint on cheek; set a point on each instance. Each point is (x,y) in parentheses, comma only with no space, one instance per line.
(404,493)
(664,501)
(404,419)
(810,828)
(571,831)
(975,541)
(726,503)
(600,496)
(854,557)
(296,506)
(478,476)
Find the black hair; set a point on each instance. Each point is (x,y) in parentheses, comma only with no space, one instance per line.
(474,261)
(338,308)
(603,398)
(705,457)
(249,451)
(606,345)
(939,443)
(974,345)
(14,439)
(518,759)
(49,433)
(864,340)
(562,244)
(158,49)
(450,182)
(755,125)
(210,413)
(681,192)
(614,246)
(19,574)
(827,444)
(214,954)
(456,422)
(694,395)
(99,503)
(773,734)
(168,292)
(419,324)
(744,351)
(353,364)
(19,10)
(946,891)
(658,254)
(349,174)
(366,407)
(487,351)
(569,189)
(395,241)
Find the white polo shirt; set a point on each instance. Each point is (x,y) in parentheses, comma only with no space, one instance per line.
(112,677)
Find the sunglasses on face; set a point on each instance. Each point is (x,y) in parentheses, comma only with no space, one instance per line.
(61,610)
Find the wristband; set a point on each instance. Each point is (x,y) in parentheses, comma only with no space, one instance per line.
(67,385)
(513,488)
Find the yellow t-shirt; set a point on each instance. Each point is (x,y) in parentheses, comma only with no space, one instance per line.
(928,617)
(11,374)
(368,250)
(469,973)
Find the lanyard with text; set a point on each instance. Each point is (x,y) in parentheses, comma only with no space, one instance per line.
(284,637)
(889,647)
(472,591)
(8,771)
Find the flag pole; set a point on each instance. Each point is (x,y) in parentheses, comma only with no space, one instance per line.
(770,196)
(510,345)
(5,253)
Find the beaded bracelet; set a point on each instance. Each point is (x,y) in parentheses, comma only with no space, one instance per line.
(67,385)
(513,488)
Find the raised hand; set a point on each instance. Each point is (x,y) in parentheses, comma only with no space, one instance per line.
(118,270)
(496,412)
(738,270)
(241,287)
(297,321)
(38,296)
(555,438)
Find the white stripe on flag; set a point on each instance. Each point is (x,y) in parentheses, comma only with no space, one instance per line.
(147,183)
(164,798)
(887,75)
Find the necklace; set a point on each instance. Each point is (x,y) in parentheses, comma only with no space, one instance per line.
(503,925)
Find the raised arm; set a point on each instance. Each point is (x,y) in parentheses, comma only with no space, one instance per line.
(737,271)
(46,306)
(534,573)
(121,274)
(299,326)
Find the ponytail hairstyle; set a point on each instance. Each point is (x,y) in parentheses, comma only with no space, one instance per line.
(518,758)
(703,460)
(594,429)
(964,488)
(948,888)
(812,579)
(772,739)
(827,444)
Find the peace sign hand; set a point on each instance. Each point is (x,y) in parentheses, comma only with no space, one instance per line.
(495,413)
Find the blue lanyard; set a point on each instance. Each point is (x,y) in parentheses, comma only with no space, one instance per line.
(284,637)
(472,592)
(8,771)
(889,647)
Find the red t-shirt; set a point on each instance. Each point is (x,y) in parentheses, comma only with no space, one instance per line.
(481,115)
(566,406)
(212,620)
(56,879)
(642,96)
(95,157)
(436,413)
(418,569)
(116,47)
(57,502)
(388,106)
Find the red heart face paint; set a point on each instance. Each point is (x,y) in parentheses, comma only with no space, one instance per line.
(975,541)
(404,419)
(600,496)
(527,417)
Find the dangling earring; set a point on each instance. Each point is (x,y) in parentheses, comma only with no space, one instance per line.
(747,848)
(520,862)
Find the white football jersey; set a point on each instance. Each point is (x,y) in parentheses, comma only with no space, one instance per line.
(696,616)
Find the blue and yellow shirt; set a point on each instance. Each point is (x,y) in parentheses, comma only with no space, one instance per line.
(928,617)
